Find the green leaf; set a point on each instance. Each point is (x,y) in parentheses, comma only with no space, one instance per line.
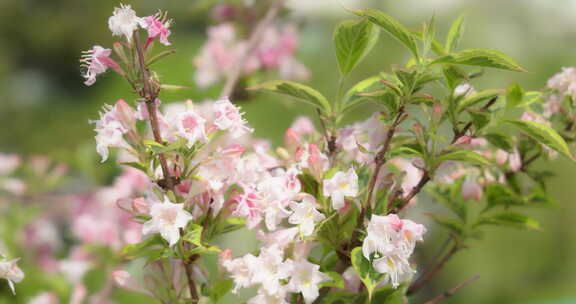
(467,156)
(336,281)
(194,235)
(482,57)
(478,97)
(352,98)
(219,289)
(135,165)
(297,91)
(514,95)
(454,76)
(499,141)
(513,220)
(501,195)
(159,56)
(390,25)
(138,250)
(530,98)
(455,34)
(389,295)
(353,40)
(370,277)
(479,118)
(451,224)
(152,143)
(543,134)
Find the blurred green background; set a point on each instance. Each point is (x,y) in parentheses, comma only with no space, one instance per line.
(45,108)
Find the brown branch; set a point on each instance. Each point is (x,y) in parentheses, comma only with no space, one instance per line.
(253,41)
(420,282)
(452,291)
(149,96)
(423,181)
(380,158)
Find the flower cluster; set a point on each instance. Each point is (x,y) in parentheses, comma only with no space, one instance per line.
(389,243)
(123,22)
(224,49)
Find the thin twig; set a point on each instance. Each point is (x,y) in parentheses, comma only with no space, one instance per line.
(423,181)
(150,97)
(452,291)
(253,41)
(430,274)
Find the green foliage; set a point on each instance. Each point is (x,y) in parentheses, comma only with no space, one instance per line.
(297,91)
(514,95)
(543,134)
(473,100)
(353,40)
(370,277)
(483,58)
(509,219)
(455,34)
(391,26)
(467,156)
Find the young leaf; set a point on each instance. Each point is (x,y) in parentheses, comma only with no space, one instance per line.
(514,95)
(194,235)
(511,220)
(467,156)
(352,98)
(296,90)
(453,225)
(370,277)
(543,134)
(454,76)
(478,97)
(138,250)
(455,34)
(482,57)
(353,40)
(390,25)
(219,289)
(336,281)
(499,141)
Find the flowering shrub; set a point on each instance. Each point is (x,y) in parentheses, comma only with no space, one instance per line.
(330,206)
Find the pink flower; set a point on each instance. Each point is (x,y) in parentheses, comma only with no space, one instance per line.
(157,28)
(8,163)
(191,127)
(228,117)
(96,61)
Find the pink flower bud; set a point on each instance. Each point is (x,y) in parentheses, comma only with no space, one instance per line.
(501,157)
(514,161)
(125,113)
(464,140)
(471,190)
(291,140)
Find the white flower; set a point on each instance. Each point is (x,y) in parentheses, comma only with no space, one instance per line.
(305,279)
(270,268)
(240,271)
(124,21)
(341,185)
(265,298)
(167,219)
(190,126)
(305,215)
(389,244)
(10,271)
(228,117)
